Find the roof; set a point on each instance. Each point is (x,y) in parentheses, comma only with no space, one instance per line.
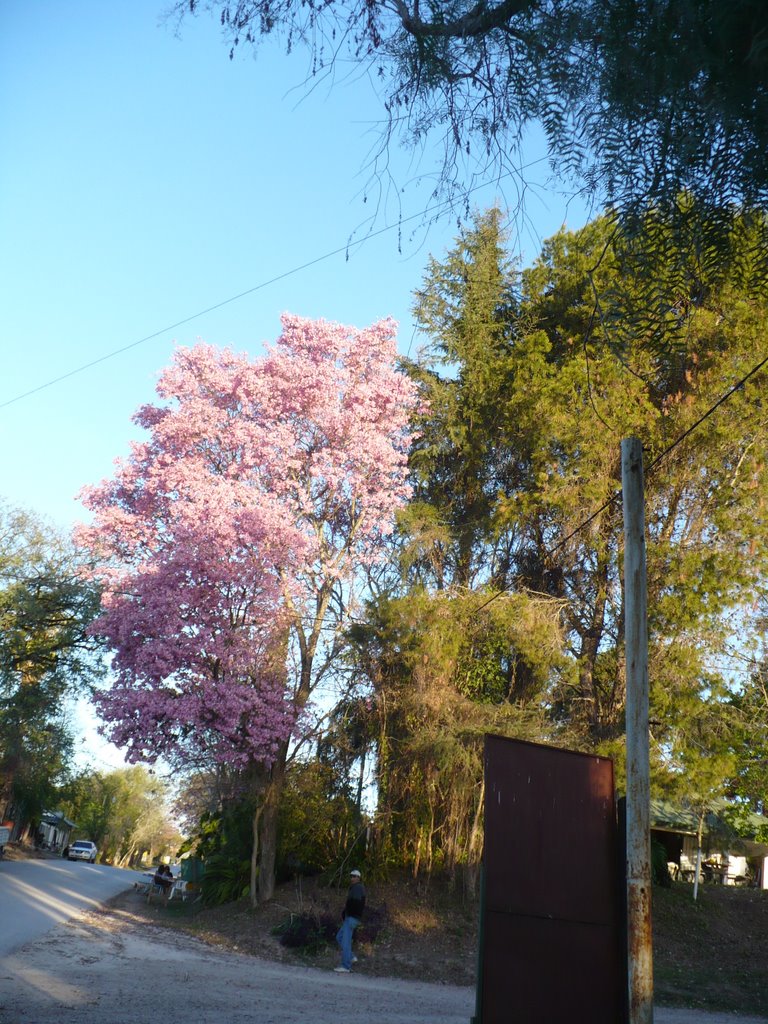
(668,817)
(671,818)
(57,819)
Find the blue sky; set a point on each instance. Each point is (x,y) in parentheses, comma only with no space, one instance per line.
(146,177)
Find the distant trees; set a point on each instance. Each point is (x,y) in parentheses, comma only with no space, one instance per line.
(231,541)
(46,655)
(125,812)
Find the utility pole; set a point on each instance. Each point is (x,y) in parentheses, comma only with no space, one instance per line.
(638,767)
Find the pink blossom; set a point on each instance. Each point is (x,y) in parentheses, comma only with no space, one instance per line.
(260,485)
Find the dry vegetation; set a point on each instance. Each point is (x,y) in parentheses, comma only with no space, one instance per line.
(411,930)
(709,954)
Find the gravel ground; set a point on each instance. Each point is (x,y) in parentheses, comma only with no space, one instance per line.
(107,967)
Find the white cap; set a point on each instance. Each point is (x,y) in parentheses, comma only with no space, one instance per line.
(355,872)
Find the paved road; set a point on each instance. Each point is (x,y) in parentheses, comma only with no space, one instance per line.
(36,895)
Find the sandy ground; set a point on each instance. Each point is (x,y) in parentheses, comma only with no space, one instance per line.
(106,967)
(103,968)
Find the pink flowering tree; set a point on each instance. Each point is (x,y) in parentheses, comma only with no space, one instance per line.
(231,536)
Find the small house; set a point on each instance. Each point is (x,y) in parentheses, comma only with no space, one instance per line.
(726,858)
(56,830)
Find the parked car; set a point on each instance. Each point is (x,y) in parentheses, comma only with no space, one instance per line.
(83,849)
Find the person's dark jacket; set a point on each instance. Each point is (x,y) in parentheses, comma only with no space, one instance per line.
(163,878)
(355,904)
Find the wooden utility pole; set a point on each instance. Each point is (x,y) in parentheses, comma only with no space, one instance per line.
(638,767)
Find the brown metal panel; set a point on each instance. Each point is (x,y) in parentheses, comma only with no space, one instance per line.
(551,942)
(545,972)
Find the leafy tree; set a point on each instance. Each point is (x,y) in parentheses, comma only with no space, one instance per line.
(125,812)
(218,809)
(640,100)
(748,785)
(706,550)
(466,310)
(445,670)
(320,823)
(232,539)
(544,401)
(46,655)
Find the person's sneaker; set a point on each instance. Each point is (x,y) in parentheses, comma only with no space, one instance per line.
(342,970)
(354,959)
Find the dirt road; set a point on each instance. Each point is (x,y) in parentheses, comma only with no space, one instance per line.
(102,969)
(108,968)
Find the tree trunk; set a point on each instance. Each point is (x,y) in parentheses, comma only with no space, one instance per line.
(270,809)
(360,781)
(475,845)
(255,856)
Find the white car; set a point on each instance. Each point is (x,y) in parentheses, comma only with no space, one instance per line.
(83,849)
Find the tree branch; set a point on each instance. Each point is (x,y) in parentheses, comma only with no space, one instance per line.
(478,21)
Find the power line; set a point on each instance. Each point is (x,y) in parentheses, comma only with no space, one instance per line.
(180,323)
(436,209)
(707,414)
(648,469)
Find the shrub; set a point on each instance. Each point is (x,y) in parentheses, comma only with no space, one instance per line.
(309,932)
(225,879)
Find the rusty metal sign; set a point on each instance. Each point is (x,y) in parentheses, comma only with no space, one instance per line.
(551,937)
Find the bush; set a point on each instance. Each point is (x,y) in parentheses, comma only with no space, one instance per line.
(309,932)
(319,824)
(225,879)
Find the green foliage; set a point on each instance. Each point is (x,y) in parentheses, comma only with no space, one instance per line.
(466,310)
(46,655)
(38,775)
(445,671)
(226,879)
(319,824)
(223,840)
(510,614)
(706,550)
(748,785)
(742,822)
(123,811)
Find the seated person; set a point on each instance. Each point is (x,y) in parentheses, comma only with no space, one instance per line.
(163,877)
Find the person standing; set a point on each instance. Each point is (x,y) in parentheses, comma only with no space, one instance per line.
(351,917)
